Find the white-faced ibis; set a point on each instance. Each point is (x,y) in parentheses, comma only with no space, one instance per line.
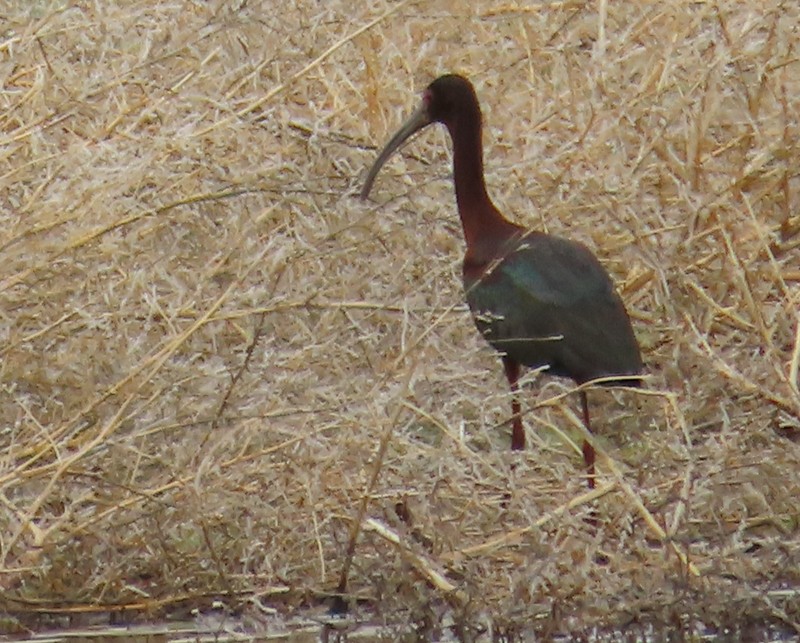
(540,300)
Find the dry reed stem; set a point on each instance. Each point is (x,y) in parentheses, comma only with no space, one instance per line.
(426,567)
(383,445)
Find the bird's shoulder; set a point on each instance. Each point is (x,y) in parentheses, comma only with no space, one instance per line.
(551,269)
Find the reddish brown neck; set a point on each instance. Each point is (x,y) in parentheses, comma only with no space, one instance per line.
(485,228)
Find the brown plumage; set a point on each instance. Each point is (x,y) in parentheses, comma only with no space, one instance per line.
(539,299)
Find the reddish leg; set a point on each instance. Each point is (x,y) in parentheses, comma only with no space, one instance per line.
(588,449)
(517,432)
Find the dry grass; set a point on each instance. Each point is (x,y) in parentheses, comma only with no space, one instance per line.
(204,334)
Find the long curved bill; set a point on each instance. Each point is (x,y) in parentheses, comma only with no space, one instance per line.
(415,123)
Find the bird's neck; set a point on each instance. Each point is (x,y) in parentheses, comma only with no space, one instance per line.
(468,164)
(484,225)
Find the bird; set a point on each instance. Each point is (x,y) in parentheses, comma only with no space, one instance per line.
(541,300)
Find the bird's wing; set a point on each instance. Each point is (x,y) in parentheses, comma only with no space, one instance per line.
(556,272)
(551,301)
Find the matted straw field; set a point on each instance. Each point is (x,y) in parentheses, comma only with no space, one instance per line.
(205,334)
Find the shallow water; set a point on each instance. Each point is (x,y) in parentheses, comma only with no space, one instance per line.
(302,630)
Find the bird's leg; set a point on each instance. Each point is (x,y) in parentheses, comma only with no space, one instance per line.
(517,433)
(588,449)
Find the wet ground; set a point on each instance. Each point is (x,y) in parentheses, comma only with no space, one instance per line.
(308,629)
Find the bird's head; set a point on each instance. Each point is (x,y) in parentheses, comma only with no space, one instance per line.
(447,100)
